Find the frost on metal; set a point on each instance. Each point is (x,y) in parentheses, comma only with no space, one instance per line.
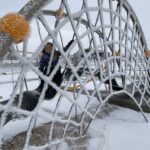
(5,42)
(29,10)
(110,43)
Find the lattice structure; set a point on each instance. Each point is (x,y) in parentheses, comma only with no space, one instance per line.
(110,45)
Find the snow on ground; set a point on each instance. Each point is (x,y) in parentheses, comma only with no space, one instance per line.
(120,129)
(6,79)
(44,114)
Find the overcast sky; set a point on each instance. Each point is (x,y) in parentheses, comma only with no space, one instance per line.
(140,7)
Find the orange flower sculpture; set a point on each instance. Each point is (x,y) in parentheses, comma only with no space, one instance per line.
(15,26)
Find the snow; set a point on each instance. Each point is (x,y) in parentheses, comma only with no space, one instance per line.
(47,107)
(118,129)
(6,79)
(122,129)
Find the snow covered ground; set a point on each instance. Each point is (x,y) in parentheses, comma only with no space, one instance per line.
(114,129)
(7,79)
(122,129)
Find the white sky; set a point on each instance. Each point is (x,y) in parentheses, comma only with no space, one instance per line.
(140,7)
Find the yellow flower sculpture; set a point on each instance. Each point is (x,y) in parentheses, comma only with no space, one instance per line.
(15,26)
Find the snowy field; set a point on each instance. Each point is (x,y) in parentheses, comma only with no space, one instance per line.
(114,129)
(7,79)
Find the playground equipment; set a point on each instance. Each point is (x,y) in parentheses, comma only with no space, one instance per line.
(109,54)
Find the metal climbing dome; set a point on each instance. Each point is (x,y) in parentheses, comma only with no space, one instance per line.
(109,56)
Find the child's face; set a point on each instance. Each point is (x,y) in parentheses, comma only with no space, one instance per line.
(48,48)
